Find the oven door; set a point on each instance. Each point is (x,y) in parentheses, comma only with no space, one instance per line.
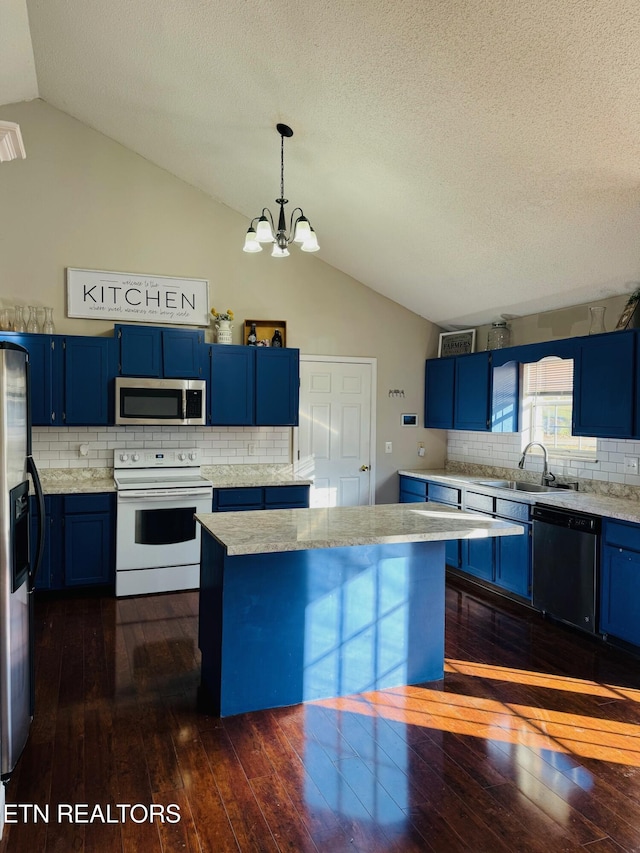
(157,528)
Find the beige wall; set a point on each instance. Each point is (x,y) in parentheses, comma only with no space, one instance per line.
(82,200)
(564,323)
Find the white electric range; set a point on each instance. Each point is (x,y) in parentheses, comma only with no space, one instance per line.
(157,538)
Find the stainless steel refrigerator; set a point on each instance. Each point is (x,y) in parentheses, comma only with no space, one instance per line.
(18,565)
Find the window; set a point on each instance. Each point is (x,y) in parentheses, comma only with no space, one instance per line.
(547,408)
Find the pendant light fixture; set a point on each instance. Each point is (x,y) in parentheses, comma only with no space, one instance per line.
(263,228)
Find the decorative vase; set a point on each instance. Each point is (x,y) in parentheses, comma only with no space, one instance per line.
(596,323)
(32,323)
(19,324)
(47,327)
(499,335)
(224,328)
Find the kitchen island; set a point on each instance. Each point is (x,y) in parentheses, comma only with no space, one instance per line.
(302,604)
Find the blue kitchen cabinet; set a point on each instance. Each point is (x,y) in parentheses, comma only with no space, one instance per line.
(45,359)
(87,371)
(277,386)
(620,581)
(50,571)
(89,534)
(468,393)
(604,380)
(472,386)
(154,352)
(252,386)
(478,556)
(241,498)
(513,553)
(79,537)
(231,394)
(439,393)
(412,490)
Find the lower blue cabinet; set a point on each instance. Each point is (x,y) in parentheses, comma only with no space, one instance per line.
(79,537)
(238,498)
(478,558)
(417,490)
(620,581)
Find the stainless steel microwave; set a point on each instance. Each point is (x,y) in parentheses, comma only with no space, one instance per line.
(160,401)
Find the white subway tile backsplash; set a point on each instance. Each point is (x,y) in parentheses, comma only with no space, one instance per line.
(59,447)
(504,451)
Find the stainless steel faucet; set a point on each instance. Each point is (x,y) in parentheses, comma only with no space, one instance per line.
(547,476)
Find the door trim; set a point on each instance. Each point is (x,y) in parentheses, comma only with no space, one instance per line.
(347,359)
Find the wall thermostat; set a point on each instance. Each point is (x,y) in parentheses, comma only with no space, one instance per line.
(409,420)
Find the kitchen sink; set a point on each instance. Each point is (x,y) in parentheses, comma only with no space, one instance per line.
(516,485)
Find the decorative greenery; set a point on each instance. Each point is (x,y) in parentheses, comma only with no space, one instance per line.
(223,315)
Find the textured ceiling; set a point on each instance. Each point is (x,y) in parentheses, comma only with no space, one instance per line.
(465,158)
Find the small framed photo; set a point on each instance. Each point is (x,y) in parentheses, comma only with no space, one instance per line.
(627,318)
(409,419)
(457,343)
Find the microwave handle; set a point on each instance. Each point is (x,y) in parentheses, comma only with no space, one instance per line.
(184,405)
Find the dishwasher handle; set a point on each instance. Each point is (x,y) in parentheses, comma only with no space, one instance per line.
(568,519)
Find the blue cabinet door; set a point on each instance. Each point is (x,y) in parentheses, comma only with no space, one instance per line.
(140,350)
(277,386)
(620,593)
(478,558)
(412,489)
(181,353)
(86,380)
(472,392)
(513,563)
(49,575)
(231,386)
(604,385)
(88,540)
(439,393)
(45,360)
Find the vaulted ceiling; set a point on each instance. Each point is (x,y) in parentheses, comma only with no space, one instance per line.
(466,158)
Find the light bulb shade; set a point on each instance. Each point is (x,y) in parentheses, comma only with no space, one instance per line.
(311,243)
(302,230)
(250,242)
(264,234)
(278,252)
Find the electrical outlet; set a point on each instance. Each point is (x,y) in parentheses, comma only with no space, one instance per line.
(251,450)
(631,464)
(421,448)
(388,447)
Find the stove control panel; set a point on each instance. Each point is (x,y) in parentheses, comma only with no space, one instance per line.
(138,458)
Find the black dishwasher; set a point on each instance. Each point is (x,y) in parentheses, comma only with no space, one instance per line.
(566,547)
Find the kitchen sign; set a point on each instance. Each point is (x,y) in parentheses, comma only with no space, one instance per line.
(137,298)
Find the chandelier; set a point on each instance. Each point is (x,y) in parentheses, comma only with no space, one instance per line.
(263,228)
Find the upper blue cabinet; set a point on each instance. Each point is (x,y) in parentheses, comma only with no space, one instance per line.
(480,391)
(159,353)
(252,386)
(468,392)
(604,386)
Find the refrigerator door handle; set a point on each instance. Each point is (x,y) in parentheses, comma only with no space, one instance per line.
(31,468)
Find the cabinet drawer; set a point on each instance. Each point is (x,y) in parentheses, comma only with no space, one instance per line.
(410,486)
(624,535)
(290,496)
(444,494)
(87,503)
(512,509)
(241,498)
(482,502)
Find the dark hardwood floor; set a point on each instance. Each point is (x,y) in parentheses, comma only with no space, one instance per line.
(531,743)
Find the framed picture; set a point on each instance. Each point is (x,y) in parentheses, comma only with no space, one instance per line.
(627,315)
(457,343)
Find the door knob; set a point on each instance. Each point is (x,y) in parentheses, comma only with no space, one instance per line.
(365,467)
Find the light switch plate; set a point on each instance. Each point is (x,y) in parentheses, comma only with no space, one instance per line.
(388,447)
(631,464)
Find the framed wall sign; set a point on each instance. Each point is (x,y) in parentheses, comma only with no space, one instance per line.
(137,298)
(628,317)
(457,343)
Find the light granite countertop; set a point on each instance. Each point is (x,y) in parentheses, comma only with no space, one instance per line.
(279,530)
(73,481)
(607,506)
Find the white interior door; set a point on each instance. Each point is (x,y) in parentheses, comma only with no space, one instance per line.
(335,436)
